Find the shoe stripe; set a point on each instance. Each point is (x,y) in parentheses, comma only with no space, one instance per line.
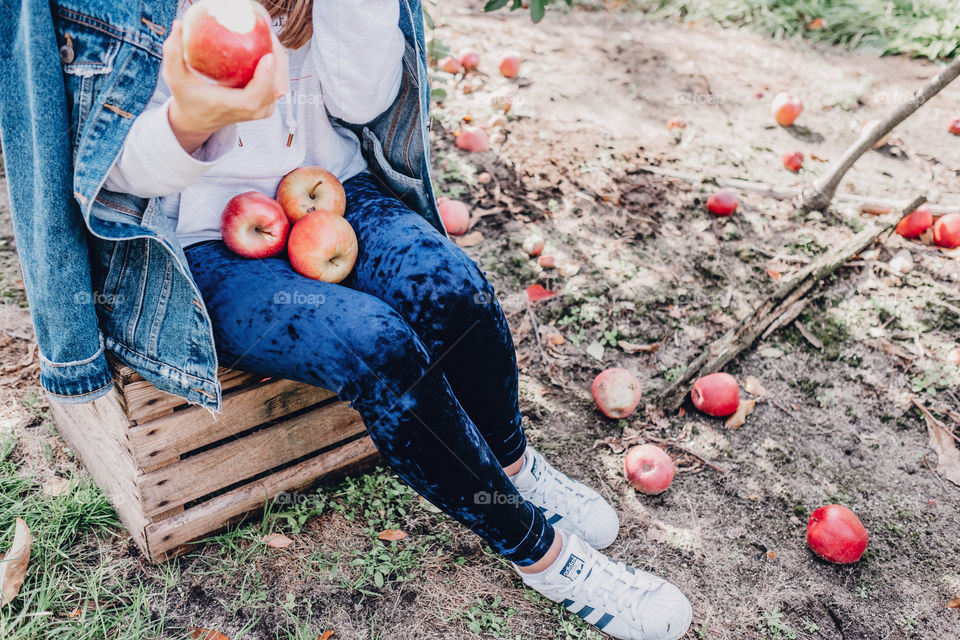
(603,621)
(631,569)
(587,610)
(554,519)
(566,603)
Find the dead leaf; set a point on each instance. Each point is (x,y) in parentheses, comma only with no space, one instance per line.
(772,554)
(472,239)
(568,269)
(595,350)
(815,24)
(556,339)
(536,292)
(326,635)
(948,456)
(630,347)
(681,412)
(738,419)
(13,567)
(55,486)
(810,337)
(955,603)
(199,633)
(752,386)
(774,274)
(277,540)
(391,535)
(753,496)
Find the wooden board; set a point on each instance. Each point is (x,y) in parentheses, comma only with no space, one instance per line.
(171,536)
(142,400)
(219,467)
(167,438)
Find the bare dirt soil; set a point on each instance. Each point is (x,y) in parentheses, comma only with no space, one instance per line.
(836,422)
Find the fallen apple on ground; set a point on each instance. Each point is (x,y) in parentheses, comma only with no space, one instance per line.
(450,65)
(786,108)
(954,126)
(946,231)
(533,244)
(546,261)
(254,225)
(455,216)
(510,66)
(225,39)
(616,392)
(322,246)
(648,469)
(716,394)
(915,223)
(472,139)
(469,59)
(722,203)
(836,534)
(310,189)
(676,123)
(792,160)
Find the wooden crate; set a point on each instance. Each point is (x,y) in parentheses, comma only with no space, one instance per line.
(176,473)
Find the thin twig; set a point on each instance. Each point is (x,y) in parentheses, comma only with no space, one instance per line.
(536,331)
(677,445)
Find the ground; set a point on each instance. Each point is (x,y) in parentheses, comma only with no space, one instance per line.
(836,424)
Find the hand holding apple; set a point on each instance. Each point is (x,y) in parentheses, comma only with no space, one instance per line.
(254,226)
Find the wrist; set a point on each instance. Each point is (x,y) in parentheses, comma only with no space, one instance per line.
(191,135)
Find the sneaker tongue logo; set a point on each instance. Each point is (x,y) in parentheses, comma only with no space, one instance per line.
(572,568)
(535,469)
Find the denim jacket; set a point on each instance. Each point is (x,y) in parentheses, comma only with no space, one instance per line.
(103,270)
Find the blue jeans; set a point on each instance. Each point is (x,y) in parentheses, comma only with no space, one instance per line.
(414,338)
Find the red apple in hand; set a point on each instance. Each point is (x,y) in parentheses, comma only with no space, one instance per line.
(835,534)
(648,469)
(722,203)
(914,224)
(946,231)
(254,225)
(323,246)
(309,189)
(616,392)
(717,394)
(225,39)
(786,108)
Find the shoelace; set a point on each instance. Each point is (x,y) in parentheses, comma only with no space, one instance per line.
(553,487)
(616,588)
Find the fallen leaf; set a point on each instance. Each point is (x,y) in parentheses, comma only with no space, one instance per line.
(810,337)
(770,352)
(738,419)
(595,350)
(955,603)
(536,292)
(753,496)
(630,347)
(948,456)
(472,239)
(55,486)
(773,273)
(199,633)
(391,535)
(752,386)
(326,635)
(556,338)
(815,24)
(772,554)
(681,412)
(277,540)
(568,269)
(13,567)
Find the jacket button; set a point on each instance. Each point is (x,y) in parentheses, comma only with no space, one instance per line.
(66,51)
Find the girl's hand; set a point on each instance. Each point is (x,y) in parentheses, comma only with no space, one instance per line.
(199,107)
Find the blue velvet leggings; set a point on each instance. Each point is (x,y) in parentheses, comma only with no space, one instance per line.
(414,338)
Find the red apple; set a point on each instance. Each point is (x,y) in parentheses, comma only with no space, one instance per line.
(676,123)
(835,534)
(533,244)
(868,126)
(722,203)
(786,108)
(717,394)
(915,223)
(309,189)
(510,66)
(954,126)
(455,216)
(450,65)
(546,261)
(322,246)
(473,139)
(225,39)
(648,469)
(792,160)
(616,392)
(946,231)
(470,59)
(254,225)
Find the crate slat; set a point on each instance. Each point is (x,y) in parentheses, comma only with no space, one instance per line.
(174,533)
(169,437)
(143,401)
(219,467)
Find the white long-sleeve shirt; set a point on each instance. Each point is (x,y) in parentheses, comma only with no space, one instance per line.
(351,69)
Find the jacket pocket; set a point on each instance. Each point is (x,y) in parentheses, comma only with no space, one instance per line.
(373,150)
(87,55)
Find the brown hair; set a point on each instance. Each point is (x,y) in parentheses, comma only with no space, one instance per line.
(298,25)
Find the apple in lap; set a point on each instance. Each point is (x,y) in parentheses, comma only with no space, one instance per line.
(254,225)
(309,189)
(323,246)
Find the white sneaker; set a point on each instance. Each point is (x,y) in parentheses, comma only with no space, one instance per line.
(565,502)
(616,598)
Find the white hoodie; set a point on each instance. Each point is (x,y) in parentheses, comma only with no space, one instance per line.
(350,69)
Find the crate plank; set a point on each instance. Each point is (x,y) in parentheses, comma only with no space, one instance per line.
(213,469)
(142,399)
(168,437)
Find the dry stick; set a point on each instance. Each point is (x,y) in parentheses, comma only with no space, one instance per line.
(819,195)
(680,447)
(778,310)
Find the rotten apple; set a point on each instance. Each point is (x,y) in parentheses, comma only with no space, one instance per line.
(310,189)
(648,469)
(254,225)
(455,216)
(716,394)
(836,534)
(722,203)
(322,246)
(915,223)
(786,108)
(792,160)
(946,231)
(225,39)
(533,244)
(616,392)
